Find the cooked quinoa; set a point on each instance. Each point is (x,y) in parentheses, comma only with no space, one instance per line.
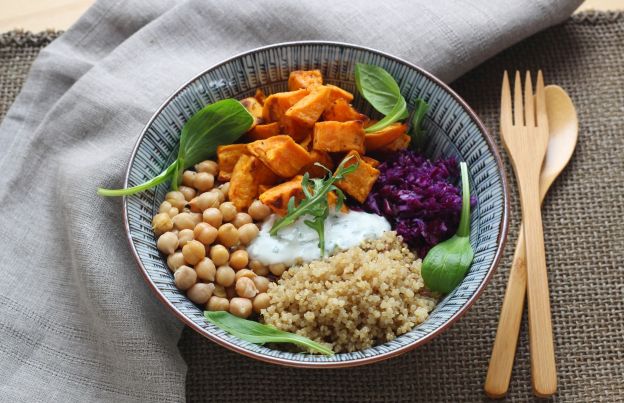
(355,299)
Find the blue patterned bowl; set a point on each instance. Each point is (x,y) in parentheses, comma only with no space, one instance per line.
(452,127)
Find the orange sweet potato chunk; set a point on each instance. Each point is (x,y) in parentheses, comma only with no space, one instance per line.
(309,108)
(260,97)
(315,171)
(400,143)
(304,79)
(339,136)
(261,132)
(341,111)
(248,174)
(278,196)
(227,156)
(281,154)
(358,183)
(376,140)
(371,161)
(337,92)
(275,105)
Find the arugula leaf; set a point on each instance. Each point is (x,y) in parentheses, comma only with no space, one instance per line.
(380,89)
(222,122)
(315,202)
(259,333)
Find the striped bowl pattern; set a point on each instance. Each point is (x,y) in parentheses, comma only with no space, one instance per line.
(453,129)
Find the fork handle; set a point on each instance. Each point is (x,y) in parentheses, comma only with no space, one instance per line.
(504,350)
(543,370)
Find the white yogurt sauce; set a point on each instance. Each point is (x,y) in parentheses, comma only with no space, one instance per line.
(299,243)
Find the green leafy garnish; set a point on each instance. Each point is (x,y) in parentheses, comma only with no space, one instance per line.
(315,201)
(380,89)
(220,123)
(416,131)
(258,333)
(446,263)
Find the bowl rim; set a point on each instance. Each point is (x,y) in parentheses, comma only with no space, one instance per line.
(502,236)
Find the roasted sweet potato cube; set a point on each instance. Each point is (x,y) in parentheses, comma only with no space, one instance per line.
(337,92)
(263,174)
(341,111)
(315,171)
(371,161)
(261,132)
(275,105)
(295,129)
(358,183)
(339,136)
(331,201)
(227,156)
(281,154)
(400,143)
(248,174)
(376,140)
(306,142)
(278,196)
(263,188)
(304,79)
(260,97)
(309,108)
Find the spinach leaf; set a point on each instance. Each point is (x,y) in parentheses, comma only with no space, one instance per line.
(378,87)
(259,333)
(446,264)
(220,123)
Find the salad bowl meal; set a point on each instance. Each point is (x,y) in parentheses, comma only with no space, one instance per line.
(316,204)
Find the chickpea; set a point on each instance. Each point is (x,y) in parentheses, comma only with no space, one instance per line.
(261,302)
(185,277)
(228,235)
(205,269)
(188,192)
(161,223)
(176,199)
(205,233)
(219,291)
(204,201)
(207,166)
(164,207)
(248,233)
(240,307)
(238,259)
(258,268)
(184,237)
(228,209)
(220,195)
(225,188)
(173,212)
(245,288)
(167,243)
(188,178)
(184,221)
(175,260)
(225,276)
(241,219)
(203,181)
(200,293)
(193,252)
(196,217)
(261,283)
(219,255)
(245,273)
(218,304)
(213,217)
(258,210)
(277,269)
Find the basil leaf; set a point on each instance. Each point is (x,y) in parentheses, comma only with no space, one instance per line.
(259,333)
(396,114)
(446,264)
(379,88)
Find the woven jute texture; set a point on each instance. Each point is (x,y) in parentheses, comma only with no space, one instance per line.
(585,250)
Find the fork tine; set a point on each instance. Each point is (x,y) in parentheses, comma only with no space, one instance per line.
(529,108)
(540,101)
(505,117)
(518,109)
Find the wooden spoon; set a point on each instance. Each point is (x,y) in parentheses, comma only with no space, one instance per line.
(563,135)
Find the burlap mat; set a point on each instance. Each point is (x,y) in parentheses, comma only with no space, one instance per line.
(583,215)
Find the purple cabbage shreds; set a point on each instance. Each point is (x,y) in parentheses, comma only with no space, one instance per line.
(418,197)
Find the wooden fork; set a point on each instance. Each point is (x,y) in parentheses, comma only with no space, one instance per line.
(526,137)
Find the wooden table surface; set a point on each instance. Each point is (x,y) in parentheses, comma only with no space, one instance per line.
(39,15)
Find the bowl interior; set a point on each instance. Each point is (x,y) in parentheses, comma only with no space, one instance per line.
(452,129)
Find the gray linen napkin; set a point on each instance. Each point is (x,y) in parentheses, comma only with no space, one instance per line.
(77,322)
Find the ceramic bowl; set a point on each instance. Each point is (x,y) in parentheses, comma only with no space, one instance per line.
(453,130)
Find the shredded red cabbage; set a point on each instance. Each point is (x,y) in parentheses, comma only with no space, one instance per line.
(419,198)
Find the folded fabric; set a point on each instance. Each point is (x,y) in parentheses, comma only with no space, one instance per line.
(77,322)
